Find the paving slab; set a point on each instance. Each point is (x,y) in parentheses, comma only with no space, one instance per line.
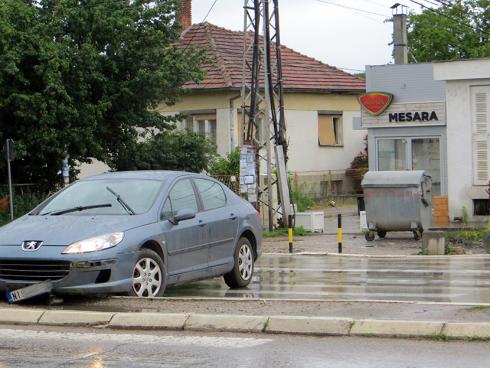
(75,318)
(20,315)
(170,321)
(235,323)
(396,328)
(309,325)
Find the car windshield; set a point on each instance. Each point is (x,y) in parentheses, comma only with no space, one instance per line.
(104,197)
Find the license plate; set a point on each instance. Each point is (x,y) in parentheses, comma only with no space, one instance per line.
(29,291)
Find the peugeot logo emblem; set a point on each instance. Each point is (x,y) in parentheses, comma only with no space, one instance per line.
(31,245)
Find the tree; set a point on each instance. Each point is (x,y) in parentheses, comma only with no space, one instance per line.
(81,77)
(170,150)
(455,30)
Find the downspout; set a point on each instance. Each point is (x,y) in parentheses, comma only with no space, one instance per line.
(233,122)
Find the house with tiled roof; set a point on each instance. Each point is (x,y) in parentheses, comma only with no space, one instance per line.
(320,104)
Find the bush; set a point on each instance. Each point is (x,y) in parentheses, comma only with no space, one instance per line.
(171,150)
(22,205)
(302,201)
(229,165)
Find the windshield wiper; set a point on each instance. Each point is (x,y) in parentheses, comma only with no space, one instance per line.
(122,202)
(75,209)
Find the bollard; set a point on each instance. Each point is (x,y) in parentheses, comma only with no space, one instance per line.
(339,231)
(290,233)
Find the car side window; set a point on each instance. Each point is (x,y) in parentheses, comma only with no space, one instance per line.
(181,197)
(212,194)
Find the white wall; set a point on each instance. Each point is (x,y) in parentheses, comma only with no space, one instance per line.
(95,168)
(306,156)
(461,190)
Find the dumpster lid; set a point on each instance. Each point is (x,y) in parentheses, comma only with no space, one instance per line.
(373,179)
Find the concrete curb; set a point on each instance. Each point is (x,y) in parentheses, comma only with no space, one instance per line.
(75,318)
(320,326)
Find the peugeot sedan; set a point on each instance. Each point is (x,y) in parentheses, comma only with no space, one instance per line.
(134,233)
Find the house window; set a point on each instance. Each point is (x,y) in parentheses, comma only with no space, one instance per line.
(330,129)
(481,207)
(204,125)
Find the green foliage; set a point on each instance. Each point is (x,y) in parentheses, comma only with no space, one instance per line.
(297,231)
(461,32)
(301,199)
(170,150)
(466,235)
(78,78)
(22,205)
(229,165)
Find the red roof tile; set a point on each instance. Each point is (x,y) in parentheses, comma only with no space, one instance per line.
(224,49)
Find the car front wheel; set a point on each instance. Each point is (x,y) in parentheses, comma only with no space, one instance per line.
(243,268)
(149,275)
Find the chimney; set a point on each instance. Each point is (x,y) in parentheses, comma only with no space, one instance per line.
(400,40)
(184,14)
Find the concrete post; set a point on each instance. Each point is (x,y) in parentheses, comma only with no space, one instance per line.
(400,40)
(434,243)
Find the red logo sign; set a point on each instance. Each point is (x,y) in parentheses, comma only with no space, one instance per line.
(375,102)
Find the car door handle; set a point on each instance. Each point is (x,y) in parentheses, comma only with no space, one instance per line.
(232,216)
(202,223)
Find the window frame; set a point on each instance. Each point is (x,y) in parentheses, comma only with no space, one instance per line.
(167,197)
(201,202)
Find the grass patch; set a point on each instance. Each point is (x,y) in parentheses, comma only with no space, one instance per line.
(439,337)
(466,235)
(477,308)
(297,231)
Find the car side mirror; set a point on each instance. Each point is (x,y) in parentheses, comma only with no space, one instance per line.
(184,214)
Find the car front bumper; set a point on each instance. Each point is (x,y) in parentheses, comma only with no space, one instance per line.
(101,272)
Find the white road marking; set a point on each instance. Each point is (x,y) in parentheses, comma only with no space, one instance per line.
(122,338)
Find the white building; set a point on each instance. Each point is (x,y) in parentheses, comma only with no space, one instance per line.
(468,134)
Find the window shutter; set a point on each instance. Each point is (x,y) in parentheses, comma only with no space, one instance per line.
(326,132)
(480,116)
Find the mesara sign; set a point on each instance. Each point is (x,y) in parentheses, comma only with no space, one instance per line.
(406,114)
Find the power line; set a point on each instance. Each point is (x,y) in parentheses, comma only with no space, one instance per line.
(352,8)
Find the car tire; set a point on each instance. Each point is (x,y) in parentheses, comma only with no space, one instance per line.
(243,267)
(149,275)
(382,234)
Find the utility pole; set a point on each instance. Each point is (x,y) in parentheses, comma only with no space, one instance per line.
(263,119)
(10,156)
(400,39)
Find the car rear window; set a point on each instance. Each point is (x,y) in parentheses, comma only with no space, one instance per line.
(212,194)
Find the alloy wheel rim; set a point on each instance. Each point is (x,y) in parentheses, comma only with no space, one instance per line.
(147,278)
(245,262)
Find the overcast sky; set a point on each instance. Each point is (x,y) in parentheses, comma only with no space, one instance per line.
(338,36)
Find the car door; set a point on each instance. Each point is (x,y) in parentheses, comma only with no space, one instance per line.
(186,241)
(221,221)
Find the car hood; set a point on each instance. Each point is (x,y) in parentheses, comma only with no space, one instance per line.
(64,230)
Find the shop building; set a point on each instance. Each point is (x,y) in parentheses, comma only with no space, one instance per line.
(410,134)
(467,85)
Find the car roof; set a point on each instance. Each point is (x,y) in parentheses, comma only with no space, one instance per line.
(140,174)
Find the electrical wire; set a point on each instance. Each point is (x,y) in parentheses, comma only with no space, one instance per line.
(352,8)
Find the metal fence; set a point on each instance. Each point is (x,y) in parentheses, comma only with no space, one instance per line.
(231,181)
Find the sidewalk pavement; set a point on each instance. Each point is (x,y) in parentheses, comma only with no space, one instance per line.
(422,320)
(395,243)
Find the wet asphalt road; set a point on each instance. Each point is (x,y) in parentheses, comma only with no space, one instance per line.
(464,279)
(58,347)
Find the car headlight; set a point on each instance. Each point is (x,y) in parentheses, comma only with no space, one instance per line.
(94,244)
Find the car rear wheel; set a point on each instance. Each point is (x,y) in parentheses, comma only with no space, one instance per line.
(149,275)
(241,274)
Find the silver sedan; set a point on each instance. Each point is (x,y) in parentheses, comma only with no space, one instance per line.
(133,233)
